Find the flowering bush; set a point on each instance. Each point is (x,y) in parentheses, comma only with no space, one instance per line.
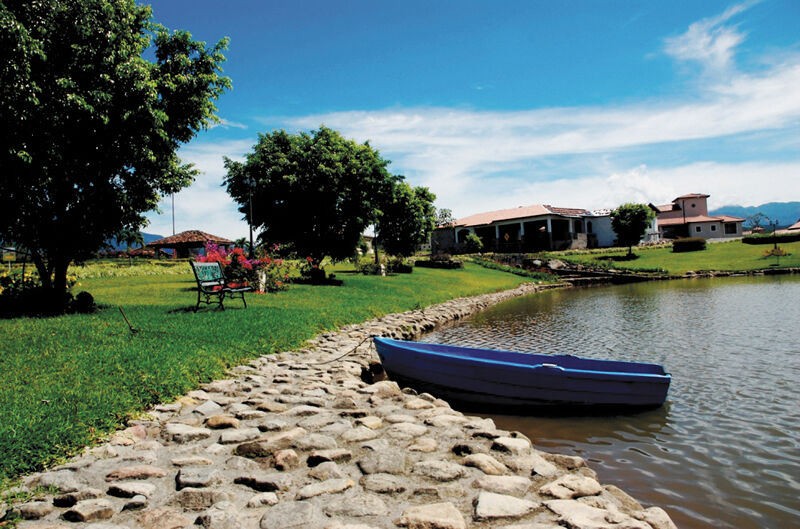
(266,273)
(312,270)
(15,283)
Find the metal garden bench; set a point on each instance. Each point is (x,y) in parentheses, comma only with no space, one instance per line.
(211,283)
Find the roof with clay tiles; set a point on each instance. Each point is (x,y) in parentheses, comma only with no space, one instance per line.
(188,238)
(521,212)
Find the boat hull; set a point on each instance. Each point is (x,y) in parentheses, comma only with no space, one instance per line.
(504,378)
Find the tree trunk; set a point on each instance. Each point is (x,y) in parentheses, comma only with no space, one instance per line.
(375,249)
(53,276)
(45,273)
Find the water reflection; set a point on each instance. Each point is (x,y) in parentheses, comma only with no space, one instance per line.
(724,451)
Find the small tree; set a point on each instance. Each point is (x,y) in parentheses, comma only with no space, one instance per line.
(754,221)
(316,191)
(472,243)
(90,128)
(444,217)
(630,221)
(406,219)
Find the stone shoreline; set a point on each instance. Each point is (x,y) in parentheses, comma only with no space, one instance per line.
(302,440)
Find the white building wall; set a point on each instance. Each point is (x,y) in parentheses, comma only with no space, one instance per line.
(601,226)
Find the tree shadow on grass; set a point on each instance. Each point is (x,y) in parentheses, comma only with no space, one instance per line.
(617,258)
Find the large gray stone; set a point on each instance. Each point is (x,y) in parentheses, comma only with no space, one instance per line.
(358,434)
(208,408)
(571,486)
(383,483)
(197,477)
(291,515)
(485,463)
(222,515)
(432,516)
(405,430)
(34,510)
(513,445)
(89,511)
(491,506)
(193,499)
(656,517)
(329,486)
(260,500)
(380,462)
(440,470)
(131,489)
(357,506)
(315,441)
(577,515)
(63,480)
(183,433)
(239,435)
(509,485)
(71,498)
(162,519)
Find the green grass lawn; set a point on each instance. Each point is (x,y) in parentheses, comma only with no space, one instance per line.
(731,255)
(66,380)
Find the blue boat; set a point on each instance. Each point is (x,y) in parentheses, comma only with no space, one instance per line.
(486,377)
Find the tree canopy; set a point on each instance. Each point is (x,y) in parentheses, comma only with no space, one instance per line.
(630,221)
(316,191)
(90,127)
(406,219)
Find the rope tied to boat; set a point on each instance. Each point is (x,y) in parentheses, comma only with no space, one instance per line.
(351,351)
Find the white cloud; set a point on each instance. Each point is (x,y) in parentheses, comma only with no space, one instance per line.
(204,205)
(227,124)
(568,156)
(708,41)
(480,160)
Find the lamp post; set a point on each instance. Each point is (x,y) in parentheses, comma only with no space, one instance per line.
(250,185)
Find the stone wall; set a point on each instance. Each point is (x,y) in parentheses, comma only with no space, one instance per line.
(300,440)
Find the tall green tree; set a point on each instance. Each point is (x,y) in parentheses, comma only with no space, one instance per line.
(630,221)
(90,128)
(406,220)
(315,191)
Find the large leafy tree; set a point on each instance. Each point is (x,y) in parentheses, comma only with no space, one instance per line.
(90,128)
(630,221)
(406,219)
(316,191)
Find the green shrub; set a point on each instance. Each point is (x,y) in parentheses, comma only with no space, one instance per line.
(472,243)
(689,244)
(398,266)
(369,268)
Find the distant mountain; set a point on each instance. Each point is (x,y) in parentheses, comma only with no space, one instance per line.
(786,213)
(148,238)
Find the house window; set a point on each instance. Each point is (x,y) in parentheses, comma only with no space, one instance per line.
(589,227)
(692,205)
(713,227)
(730,228)
(698,229)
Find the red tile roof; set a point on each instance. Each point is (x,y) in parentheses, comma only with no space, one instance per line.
(567,212)
(664,208)
(481,219)
(186,238)
(691,195)
(795,226)
(537,210)
(699,218)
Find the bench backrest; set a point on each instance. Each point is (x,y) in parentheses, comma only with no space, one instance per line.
(208,274)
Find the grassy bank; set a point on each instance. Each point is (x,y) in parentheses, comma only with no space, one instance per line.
(66,380)
(728,256)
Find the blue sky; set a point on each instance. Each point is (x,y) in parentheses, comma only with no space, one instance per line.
(500,104)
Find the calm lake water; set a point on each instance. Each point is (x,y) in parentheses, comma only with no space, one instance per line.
(724,452)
